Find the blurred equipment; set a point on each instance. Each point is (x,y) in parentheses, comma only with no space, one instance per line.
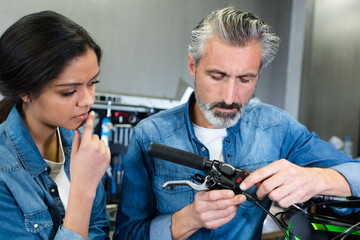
(116,116)
(348,147)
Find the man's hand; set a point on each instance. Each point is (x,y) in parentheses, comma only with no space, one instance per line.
(287,183)
(210,209)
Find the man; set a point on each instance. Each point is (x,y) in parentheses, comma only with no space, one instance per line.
(227,52)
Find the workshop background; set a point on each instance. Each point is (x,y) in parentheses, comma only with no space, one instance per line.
(315,76)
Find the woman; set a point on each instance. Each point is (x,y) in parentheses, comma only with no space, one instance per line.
(48,70)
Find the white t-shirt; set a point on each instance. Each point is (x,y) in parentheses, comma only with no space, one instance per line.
(212,139)
(58,174)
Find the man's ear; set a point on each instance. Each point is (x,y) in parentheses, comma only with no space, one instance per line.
(191,66)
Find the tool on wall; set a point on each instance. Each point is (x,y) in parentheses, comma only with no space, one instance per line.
(114,124)
(106,126)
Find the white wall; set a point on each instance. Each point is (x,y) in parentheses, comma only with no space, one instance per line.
(145,42)
(330,99)
(294,67)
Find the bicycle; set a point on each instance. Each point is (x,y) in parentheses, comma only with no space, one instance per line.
(303,225)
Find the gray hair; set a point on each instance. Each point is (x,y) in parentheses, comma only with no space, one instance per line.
(235,28)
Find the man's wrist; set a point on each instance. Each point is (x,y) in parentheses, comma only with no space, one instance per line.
(334,183)
(183,225)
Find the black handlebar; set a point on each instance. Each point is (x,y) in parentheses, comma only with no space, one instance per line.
(221,175)
(177,156)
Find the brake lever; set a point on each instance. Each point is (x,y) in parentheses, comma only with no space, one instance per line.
(197,187)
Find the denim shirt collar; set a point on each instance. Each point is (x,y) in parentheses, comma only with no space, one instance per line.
(24,144)
(234,129)
(188,121)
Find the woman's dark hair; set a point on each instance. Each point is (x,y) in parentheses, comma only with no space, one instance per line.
(34,51)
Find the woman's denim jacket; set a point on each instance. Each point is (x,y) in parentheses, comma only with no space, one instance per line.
(30,206)
(263,135)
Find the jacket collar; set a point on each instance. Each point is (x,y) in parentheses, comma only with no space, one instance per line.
(23,144)
(189,123)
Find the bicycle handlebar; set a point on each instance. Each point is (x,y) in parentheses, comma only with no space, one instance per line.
(177,156)
(199,162)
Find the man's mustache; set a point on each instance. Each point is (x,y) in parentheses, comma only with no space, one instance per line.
(223,105)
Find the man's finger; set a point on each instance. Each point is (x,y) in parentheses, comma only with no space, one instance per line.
(260,175)
(220,194)
(88,130)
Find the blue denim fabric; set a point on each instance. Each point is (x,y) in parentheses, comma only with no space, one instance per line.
(29,200)
(263,135)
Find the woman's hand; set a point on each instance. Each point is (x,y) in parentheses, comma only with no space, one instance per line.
(89,159)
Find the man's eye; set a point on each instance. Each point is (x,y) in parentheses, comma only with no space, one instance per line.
(244,80)
(217,77)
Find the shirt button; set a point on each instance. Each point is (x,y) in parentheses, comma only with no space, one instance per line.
(203,149)
(228,155)
(36,225)
(52,190)
(227,141)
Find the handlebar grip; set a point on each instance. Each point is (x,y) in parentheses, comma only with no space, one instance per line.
(177,156)
(345,202)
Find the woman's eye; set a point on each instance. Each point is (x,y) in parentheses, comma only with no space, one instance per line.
(65,94)
(94,82)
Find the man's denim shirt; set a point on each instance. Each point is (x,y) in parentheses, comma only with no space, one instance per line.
(30,206)
(263,135)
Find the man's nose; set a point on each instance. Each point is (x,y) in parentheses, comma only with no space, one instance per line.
(229,91)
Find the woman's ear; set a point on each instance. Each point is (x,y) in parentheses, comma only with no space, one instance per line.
(26,98)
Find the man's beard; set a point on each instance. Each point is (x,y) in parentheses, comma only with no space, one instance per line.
(220,119)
